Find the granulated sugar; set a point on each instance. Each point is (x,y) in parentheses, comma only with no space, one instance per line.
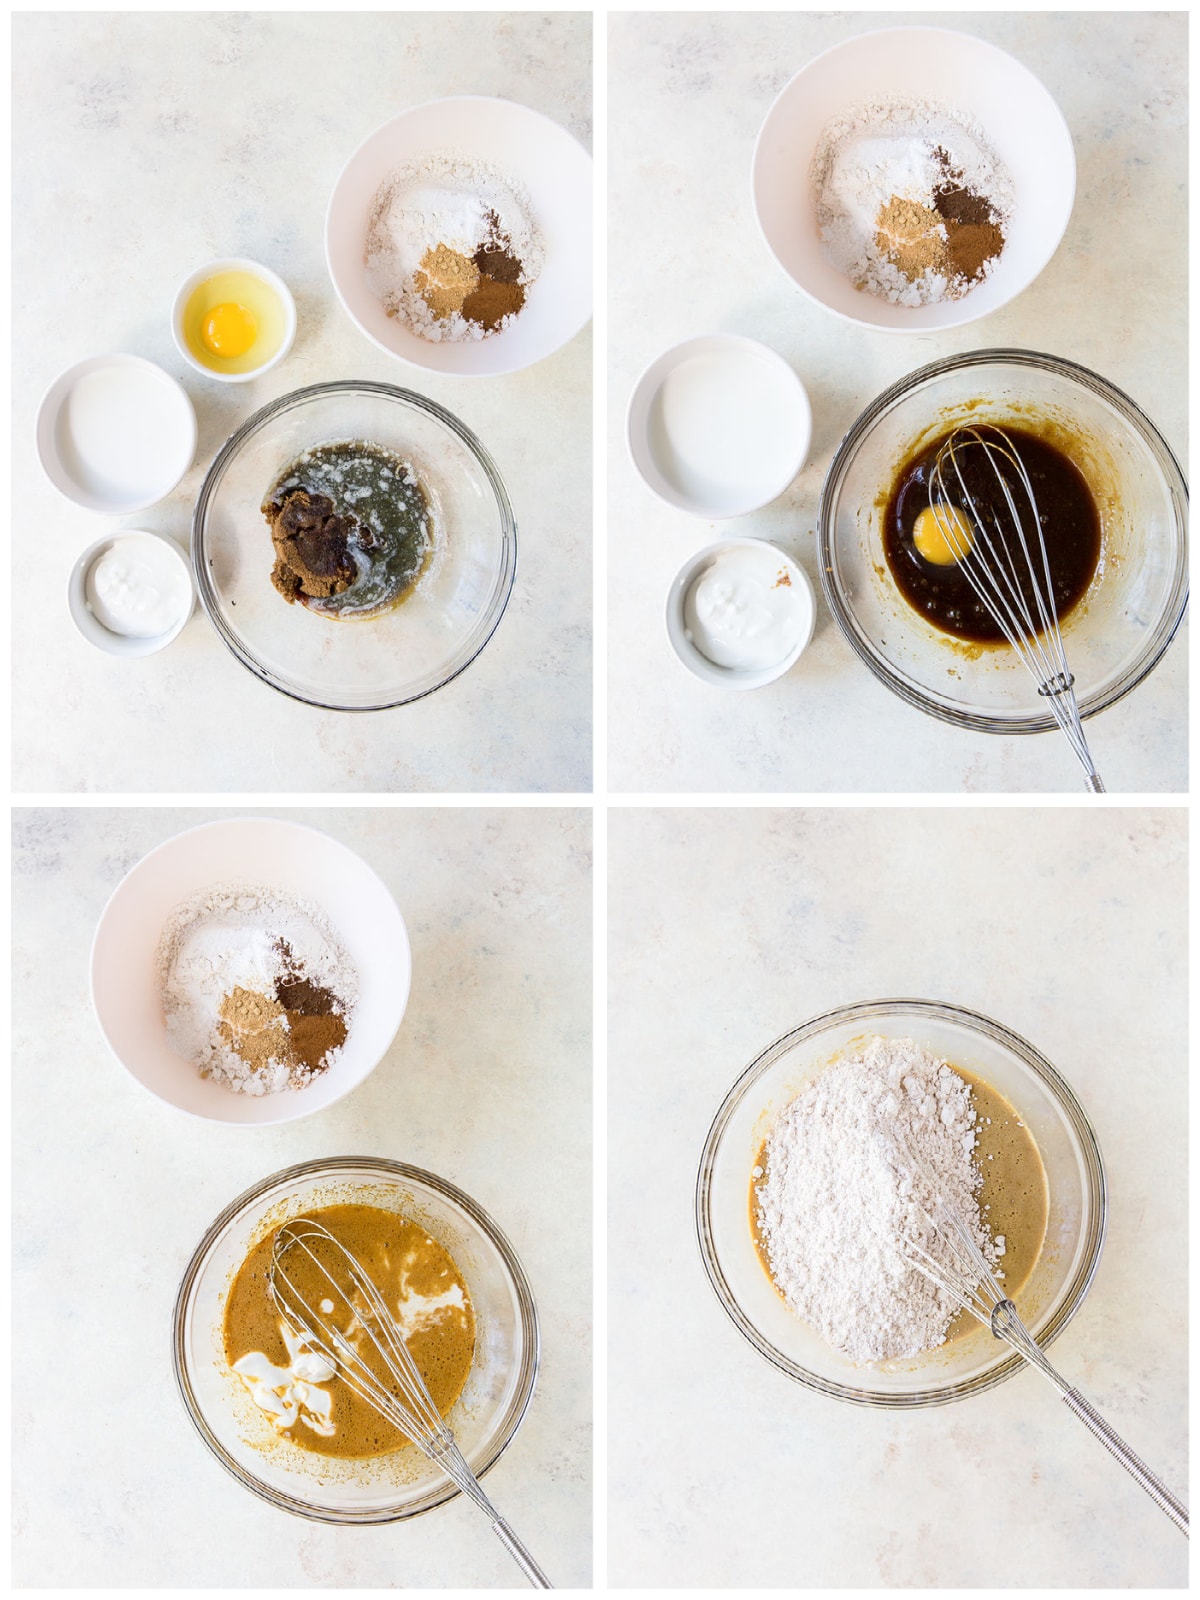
(833,1208)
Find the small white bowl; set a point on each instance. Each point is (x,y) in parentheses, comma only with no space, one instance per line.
(719,425)
(115,434)
(1023,124)
(556,172)
(90,626)
(280,855)
(233,264)
(694,660)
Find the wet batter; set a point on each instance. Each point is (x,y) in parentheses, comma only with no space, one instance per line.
(924,565)
(422,1287)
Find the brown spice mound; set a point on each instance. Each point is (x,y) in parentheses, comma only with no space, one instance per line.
(445,278)
(971,246)
(312,547)
(492,302)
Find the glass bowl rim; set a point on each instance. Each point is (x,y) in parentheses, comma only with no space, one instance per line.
(1173,613)
(506,574)
(330,1166)
(1063,1095)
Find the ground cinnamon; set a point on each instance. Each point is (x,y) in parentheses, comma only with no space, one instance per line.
(492,302)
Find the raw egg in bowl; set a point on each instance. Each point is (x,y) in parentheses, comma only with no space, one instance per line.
(233,320)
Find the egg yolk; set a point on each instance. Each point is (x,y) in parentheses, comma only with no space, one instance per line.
(942,535)
(229,330)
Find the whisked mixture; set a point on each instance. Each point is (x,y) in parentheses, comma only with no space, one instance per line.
(833,1211)
(925,549)
(298,1388)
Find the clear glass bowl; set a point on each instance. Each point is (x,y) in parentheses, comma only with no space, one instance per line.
(1130,613)
(1074,1173)
(387,1488)
(375,662)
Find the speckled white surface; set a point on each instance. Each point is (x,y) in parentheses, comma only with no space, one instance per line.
(727,928)
(488,1083)
(687,95)
(149,143)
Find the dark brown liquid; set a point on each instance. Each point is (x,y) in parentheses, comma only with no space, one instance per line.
(407,1267)
(1070,523)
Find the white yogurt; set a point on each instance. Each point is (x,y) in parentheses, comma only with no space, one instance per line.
(742,610)
(137,587)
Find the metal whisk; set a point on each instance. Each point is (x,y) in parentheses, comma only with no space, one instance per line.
(384,1374)
(960,1269)
(1006,564)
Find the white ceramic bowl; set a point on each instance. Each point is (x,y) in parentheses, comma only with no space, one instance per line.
(115,434)
(90,626)
(234,264)
(694,660)
(1024,126)
(719,425)
(537,153)
(281,855)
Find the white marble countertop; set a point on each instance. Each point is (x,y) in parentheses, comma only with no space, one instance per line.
(727,929)
(488,1083)
(688,93)
(147,143)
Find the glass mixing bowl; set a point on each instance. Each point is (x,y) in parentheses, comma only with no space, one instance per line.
(1074,1174)
(1128,616)
(375,662)
(387,1488)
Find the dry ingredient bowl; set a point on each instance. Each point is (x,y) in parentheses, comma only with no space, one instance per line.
(1074,1173)
(484,1419)
(541,156)
(377,662)
(285,856)
(1023,125)
(1129,615)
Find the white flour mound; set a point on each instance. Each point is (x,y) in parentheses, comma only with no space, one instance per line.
(832,1207)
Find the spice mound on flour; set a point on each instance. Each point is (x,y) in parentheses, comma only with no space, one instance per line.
(912,203)
(833,1207)
(257,992)
(452,248)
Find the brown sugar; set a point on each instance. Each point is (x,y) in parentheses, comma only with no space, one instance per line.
(312,547)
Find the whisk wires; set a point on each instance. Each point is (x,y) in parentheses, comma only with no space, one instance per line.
(1006,563)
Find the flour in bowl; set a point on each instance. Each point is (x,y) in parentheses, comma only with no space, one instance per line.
(257,991)
(833,1208)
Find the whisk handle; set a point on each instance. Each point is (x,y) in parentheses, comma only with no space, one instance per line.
(520,1555)
(1092,779)
(1134,1465)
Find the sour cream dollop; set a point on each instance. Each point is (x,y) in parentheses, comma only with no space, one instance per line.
(138,587)
(290,1394)
(743,611)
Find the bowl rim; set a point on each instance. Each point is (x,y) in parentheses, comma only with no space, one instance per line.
(509,106)
(856,40)
(505,578)
(1063,1094)
(238,819)
(1173,614)
(254,269)
(404,1172)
